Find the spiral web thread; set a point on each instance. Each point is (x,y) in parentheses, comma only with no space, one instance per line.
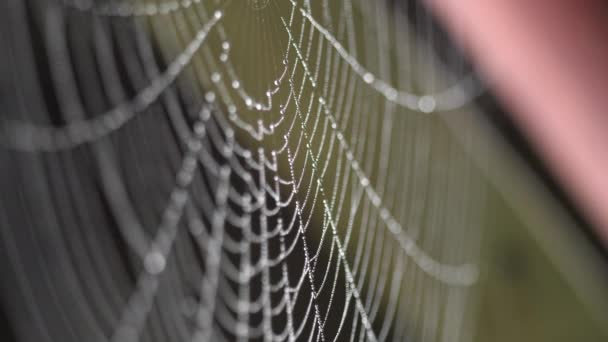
(232,170)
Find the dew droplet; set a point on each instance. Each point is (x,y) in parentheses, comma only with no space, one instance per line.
(215,77)
(210,96)
(155,262)
(427,104)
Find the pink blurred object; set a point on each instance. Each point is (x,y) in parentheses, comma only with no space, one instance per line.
(548,62)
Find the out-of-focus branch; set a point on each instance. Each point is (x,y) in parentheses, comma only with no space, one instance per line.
(548,62)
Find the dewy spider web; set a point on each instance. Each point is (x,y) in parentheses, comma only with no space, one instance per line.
(205,170)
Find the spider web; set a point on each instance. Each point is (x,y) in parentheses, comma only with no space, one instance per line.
(232,170)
